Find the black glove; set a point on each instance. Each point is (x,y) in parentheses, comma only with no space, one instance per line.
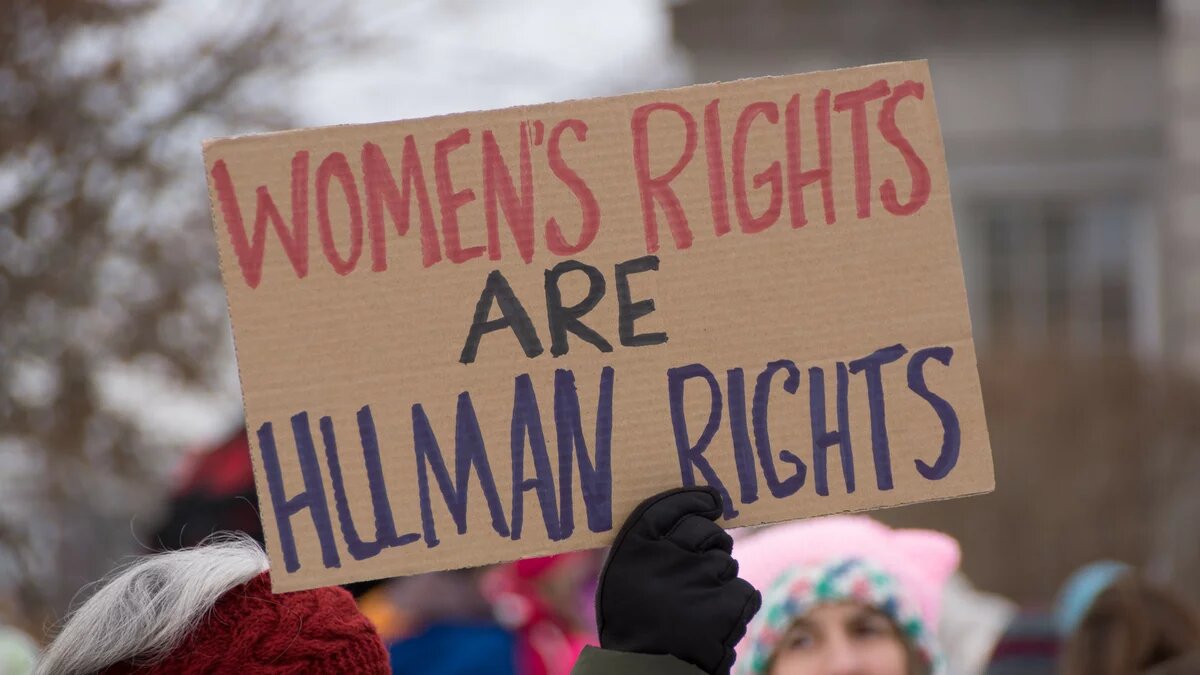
(670,585)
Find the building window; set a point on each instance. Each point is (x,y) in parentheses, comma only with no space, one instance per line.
(1062,271)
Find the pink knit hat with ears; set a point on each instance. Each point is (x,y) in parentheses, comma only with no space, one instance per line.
(922,561)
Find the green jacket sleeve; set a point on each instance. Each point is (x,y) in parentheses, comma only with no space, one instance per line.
(595,661)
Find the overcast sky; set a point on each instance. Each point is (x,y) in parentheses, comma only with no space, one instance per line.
(458,55)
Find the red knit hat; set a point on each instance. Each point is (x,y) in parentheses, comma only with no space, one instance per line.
(255,632)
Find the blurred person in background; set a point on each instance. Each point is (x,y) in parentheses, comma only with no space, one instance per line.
(440,624)
(546,602)
(1030,645)
(213,491)
(972,625)
(529,617)
(1119,623)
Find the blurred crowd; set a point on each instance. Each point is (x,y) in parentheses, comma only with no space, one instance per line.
(536,616)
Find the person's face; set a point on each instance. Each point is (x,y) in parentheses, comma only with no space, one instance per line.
(842,639)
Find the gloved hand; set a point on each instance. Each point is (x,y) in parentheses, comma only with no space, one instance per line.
(670,585)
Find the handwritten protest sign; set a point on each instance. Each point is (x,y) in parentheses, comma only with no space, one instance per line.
(486,336)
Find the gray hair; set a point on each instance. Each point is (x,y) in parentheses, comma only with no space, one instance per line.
(147,608)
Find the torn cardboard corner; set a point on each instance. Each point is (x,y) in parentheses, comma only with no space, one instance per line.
(487,336)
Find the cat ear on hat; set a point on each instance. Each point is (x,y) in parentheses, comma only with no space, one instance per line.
(935,556)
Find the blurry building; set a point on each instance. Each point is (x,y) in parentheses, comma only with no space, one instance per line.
(1054,113)
(1181,180)
(1072,132)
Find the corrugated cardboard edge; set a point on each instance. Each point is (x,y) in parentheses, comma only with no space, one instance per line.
(941,145)
(225,268)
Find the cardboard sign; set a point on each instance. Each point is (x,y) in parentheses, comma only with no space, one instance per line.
(487,336)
